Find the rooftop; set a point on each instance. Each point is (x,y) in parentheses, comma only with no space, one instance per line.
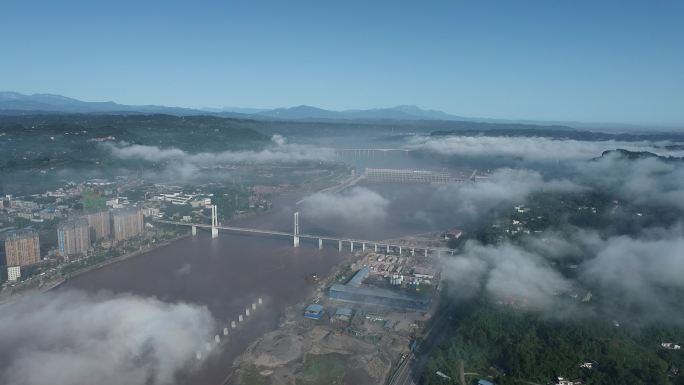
(376,292)
(343,311)
(358,278)
(314,308)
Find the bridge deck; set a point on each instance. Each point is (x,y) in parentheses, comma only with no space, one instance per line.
(288,234)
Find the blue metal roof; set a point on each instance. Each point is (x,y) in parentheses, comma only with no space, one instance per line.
(358,278)
(314,308)
(344,311)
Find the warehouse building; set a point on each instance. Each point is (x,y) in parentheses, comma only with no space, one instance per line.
(355,292)
(313,311)
(377,296)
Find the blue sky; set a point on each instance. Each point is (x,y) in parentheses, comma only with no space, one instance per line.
(572,60)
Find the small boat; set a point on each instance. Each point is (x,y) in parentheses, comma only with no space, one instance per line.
(312,278)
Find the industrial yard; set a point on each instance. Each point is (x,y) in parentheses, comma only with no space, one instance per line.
(355,327)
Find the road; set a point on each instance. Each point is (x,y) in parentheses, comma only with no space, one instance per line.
(412,368)
(403,374)
(344,184)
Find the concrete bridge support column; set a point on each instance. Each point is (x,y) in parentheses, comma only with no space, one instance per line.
(194,230)
(399,250)
(426,252)
(413,251)
(320,243)
(351,246)
(295,232)
(363,246)
(339,245)
(376,247)
(214,221)
(387,249)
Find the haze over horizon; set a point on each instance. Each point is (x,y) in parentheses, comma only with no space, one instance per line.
(614,61)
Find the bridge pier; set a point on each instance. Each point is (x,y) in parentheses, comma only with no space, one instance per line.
(295,233)
(399,250)
(413,251)
(387,249)
(363,246)
(214,222)
(339,245)
(376,247)
(320,243)
(426,252)
(351,246)
(194,230)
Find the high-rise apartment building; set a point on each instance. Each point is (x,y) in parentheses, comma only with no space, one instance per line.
(22,248)
(127,223)
(73,237)
(100,224)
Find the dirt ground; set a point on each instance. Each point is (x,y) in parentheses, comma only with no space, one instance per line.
(360,351)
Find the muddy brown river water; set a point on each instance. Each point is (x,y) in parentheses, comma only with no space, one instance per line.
(229,273)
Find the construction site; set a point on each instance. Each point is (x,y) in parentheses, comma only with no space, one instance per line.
(356,327)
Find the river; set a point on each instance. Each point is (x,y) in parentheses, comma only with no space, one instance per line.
(229,273)
(226,274)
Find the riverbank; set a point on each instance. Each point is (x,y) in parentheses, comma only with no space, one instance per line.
(8,295)
(121,258)
(359,349)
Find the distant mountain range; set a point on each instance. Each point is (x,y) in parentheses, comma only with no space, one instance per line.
(16,102)
(13,103)
(393,113)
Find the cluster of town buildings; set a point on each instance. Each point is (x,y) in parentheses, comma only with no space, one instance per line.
(75,234)
(75,237)
(78,230)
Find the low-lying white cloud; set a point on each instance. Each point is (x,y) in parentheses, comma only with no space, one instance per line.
(644,181)
(279,152)
(529,148)
(505,271)
(641,273)
(358,205)
(70,338)
(504,186)
(631,278)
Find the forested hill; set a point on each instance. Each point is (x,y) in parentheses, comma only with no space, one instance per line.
(635,155)
(205,133)
(554,132)
(507,347)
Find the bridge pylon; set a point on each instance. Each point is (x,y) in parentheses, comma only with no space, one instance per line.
(295,233)
(214,221)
